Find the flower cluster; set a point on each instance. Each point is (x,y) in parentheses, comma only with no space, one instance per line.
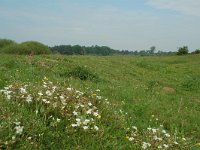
(155,138)
(77,107)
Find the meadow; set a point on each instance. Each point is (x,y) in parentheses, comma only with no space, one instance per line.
(99,102)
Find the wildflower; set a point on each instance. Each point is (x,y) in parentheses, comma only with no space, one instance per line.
(23,91)
(131,139)
(96,128)
(167,135)
(160,146)
(89,111)
(40,94)
(149,129)
(78,120)
(74,125)
(61,97)
(166,146)
(19,129)
(29,98)
(155,137)
(98,97)
(95,114)
(8,97)
(134,127)
(89,104)
(75,113)
(97,90)
(145,145)
(36,112)
(163,131)
(183,139)
(69,89)
(48,93)
(86,121)
(154,130)
(13,137)
(58,120)
(176,143)
(85,127)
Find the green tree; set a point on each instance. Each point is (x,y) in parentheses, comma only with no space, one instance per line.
(182,50)
(197,51)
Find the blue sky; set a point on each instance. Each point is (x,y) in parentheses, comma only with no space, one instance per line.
(120,24)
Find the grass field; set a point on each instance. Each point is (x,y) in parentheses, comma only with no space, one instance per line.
(93,102)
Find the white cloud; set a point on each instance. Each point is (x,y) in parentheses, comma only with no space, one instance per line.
(189,7)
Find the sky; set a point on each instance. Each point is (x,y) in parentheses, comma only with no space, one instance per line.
(119,24)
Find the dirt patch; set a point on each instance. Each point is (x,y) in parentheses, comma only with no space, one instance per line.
(168,90)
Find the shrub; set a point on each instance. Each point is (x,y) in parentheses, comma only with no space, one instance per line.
(27,48)
(5,43)
(182,50)
(83,73)
(197,51)
(36,47)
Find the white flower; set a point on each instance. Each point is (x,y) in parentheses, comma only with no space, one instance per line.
(154,130)
(89,111)
(155,137)
(144,145)
(134,127)
(69,89)
(58,120)
(166,146)
(98,97)
(167,135)
(40,93)
(183,139)
(149,129)
(23,90)
(95,114)
(97,90)
(48,93)
(29,98)
(75,113)
(86,121)
(8,97)
(85,127)
(176,143)
(96,128)
(19,129)
(130,138)
(89,104)
(74,125)
(160,146)
(163,131)
(61,97)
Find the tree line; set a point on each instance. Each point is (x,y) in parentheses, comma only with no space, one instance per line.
(36,48)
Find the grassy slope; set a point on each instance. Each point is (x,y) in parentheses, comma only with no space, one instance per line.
(134,84)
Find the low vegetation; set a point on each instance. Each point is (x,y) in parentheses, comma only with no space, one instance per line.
(92,102)
(25,48)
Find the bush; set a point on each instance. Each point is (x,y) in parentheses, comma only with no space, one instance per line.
(30,47)
(36,47)
(83,73)
(182,50)
(5,42)
(197,51)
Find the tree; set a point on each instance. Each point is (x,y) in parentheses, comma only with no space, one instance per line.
(152,49)
(182,50)
(197,51)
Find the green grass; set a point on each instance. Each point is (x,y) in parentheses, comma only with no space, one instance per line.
(132,85)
